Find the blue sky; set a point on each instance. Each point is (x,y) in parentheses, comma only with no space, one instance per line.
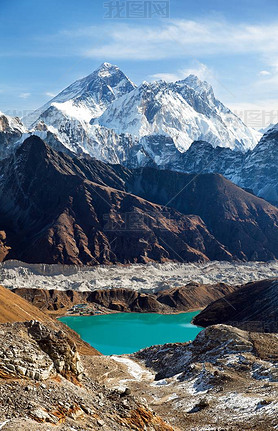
(46,45)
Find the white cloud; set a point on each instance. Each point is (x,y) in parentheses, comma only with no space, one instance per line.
(175,38)
(264,73)
(178,38)
(24,95)
(200,70)
(49,94)
(268,80)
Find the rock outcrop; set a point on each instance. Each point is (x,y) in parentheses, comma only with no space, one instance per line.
(41,385)
(60,349)
(32,350)
(20,357)
(4,249)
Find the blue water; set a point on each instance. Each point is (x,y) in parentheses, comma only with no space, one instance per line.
(128,332)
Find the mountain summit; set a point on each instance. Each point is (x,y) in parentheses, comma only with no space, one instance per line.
(86,98)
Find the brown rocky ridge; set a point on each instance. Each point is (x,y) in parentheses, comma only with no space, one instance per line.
(16,309)
(192,296)
(254,306)
(245,224)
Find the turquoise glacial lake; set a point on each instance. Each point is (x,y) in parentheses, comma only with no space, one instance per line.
(121,333)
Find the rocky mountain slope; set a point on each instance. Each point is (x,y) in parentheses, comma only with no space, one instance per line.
(11,131)
(16,309)
(255,170)
(59,209)
(231,214)
(260,170)
(253,306)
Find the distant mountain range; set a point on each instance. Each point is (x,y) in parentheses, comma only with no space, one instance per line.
(107,116)
(179,126)
(55,208)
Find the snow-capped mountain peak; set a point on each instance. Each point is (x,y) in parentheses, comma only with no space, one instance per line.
(106,115)
(106,70)
(11,131)
(8,124)
(197,85)
(185,111)
(87,97)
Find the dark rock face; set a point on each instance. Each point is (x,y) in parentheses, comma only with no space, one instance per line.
(260,170)
(253,307)
(11,130)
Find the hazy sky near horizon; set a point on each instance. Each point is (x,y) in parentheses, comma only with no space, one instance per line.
(46,45)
